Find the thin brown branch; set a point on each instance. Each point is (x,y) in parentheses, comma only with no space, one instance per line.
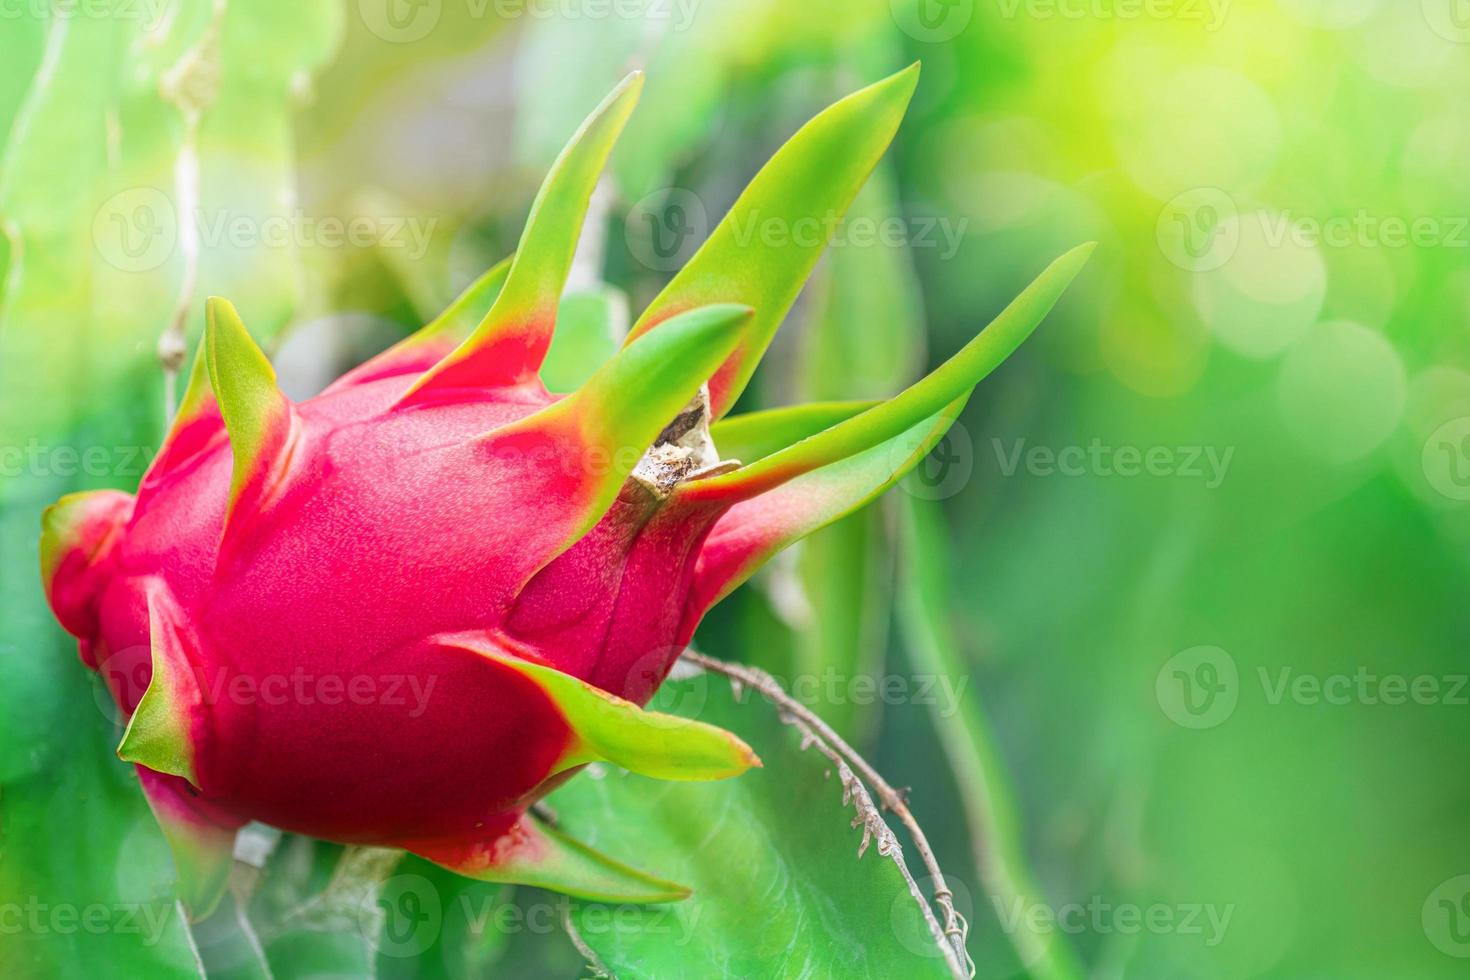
(595,965)
(952,935)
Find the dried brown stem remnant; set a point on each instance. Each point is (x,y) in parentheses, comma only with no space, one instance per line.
(817,733)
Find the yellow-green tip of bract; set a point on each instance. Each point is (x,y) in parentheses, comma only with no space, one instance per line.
(953,379)
(606,728)
(509,344)
(257,415)
(811,181)
(159,733)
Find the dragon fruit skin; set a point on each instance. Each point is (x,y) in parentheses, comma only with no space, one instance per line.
(400,612)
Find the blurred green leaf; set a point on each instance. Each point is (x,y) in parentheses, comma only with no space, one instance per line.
(308,924)
(95,263)
(984,786)
(846,571)
(78,840)
(465,940)
(865,340)
(771,855)
(866,336)
(763,250)
(590,326)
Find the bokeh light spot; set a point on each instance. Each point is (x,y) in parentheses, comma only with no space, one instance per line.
(1200,127)
(1334,15)
(1268,294)
(1342,391)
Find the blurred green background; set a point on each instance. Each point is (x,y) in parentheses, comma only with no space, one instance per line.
(1174,623)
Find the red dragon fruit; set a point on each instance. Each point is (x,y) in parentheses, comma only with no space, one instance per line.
(400,612)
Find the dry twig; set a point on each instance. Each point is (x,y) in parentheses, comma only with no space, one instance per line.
(817,733)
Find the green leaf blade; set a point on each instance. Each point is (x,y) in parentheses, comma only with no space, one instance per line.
(772,858)
(763,251)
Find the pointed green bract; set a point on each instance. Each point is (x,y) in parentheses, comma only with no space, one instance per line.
(609,729)
(257,414)
(197,393)
(765,248)
(951,380)
(160,733)
(530,853)
(61,531)
(510,343)
(755,435)
(613,418)
(84,522)
(755,530)
(424,348)
(203,851)
(197,404)
(967,737)
(778,887)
